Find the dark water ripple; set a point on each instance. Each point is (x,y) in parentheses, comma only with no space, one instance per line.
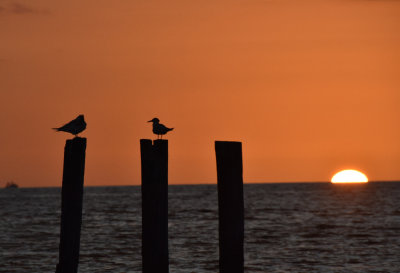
(289,228)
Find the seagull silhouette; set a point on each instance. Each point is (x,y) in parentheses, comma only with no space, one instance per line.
(158,128)
(74,126)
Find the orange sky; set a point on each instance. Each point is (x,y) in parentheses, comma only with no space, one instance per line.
(309,87)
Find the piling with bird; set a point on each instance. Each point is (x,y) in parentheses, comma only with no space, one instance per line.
(72,196)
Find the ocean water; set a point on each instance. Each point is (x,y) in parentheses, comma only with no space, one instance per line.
(299,227)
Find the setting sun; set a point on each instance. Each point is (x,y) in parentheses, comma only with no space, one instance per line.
(349,176)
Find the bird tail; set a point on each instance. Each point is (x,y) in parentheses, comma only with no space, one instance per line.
(56,129)
(170,129)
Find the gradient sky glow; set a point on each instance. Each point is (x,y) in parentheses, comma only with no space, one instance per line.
(309,87)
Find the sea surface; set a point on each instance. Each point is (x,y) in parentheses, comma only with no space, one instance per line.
(296,227)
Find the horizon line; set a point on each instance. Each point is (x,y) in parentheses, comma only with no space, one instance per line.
(213,183)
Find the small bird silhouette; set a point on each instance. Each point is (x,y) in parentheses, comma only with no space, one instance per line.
(158,128)
(74,126)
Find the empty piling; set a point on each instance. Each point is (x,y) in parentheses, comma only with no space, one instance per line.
(154,160)
(71,205)
(230,206)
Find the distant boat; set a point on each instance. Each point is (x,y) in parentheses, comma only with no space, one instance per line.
(11,185)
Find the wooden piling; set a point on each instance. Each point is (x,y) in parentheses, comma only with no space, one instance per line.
(71,205)
(230,206)
(154,159)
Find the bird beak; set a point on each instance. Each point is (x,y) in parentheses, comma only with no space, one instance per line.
(150,121)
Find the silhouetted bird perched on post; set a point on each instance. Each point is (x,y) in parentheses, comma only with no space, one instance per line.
(74,127)
(158,128)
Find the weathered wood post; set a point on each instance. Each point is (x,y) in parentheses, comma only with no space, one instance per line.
(154,159)
(71,205)
(230,206)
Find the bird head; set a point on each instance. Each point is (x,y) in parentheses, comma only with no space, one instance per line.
(81,117)
(155,120)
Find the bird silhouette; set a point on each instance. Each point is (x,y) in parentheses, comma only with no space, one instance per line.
(158,128)
(74,126)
